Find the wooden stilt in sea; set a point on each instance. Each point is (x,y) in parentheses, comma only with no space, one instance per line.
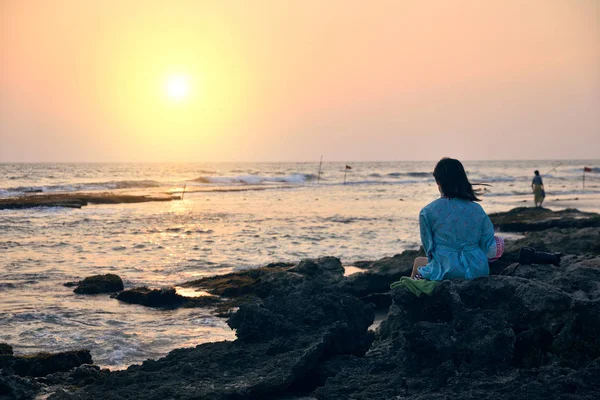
(183,193)
(558,165)
(586,169)
(319,174)
(346,172)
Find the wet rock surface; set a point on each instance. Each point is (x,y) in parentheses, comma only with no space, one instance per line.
(558,236)
(528,331)
(379,274)
(79,376)
(76,200)
(262,281)
(245,287)
(527,219)
(163,298)
(43,364)
(280,342)
(325,268)
(533,335)
(15,387)
(6,349)
(108,283)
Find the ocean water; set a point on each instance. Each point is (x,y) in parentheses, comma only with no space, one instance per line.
(232,217)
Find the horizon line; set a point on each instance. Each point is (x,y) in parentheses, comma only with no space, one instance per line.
(292,161)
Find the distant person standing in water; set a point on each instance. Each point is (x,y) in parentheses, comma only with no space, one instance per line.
(538,189)
(456,233)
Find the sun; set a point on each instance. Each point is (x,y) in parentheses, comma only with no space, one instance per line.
(177,87)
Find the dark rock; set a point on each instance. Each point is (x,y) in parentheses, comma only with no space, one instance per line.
(268,283)
(303,311)
(259,282)
(6,349)
(42,364)
(329,268)
(584,241)
(380,274)
(532,335)
(567,241)
(21,205)
(163,298)
(371,286)
(166,297)
(568,231)
(16,387)
(7,285)
(362,264)
(77,200)
(527,219)
(79,376)
(228,285)
(529,333)
(280,342)
(379,300)
(280,265)
(241,287)
(108,283)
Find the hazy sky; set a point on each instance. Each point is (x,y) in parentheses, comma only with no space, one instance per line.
(87,80)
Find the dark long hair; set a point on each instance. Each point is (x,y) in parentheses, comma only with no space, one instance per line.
(452,178)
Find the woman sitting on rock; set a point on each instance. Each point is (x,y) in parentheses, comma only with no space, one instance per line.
(456,233)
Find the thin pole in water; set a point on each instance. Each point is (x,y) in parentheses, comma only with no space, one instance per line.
(346,168)
(319,174)
(183,193)
(554,168)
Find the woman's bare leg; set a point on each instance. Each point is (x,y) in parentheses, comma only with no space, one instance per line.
(419,262)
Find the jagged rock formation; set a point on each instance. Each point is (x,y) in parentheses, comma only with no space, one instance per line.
(280,342)
(524,333)
(108,283)
(533,335)
(76,200)
(529,219)
(163,298)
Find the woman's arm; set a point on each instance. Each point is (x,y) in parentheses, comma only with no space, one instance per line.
(426,235)
(487,234)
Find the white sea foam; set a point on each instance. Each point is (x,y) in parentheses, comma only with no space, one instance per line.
(255,179)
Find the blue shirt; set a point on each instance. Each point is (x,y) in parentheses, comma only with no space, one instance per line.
(456,235)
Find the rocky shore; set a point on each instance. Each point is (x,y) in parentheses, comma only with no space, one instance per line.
(306,331)
(77,200)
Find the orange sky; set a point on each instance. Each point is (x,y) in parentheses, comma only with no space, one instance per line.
(291,80)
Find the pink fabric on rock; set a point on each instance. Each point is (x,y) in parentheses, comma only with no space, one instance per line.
(496,251)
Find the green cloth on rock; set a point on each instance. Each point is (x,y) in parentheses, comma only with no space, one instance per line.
(416,287)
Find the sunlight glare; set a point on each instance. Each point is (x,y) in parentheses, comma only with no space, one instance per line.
(177,87)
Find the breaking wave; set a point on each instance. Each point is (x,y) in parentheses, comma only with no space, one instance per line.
(409,174)
(375,182)
(256,179)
